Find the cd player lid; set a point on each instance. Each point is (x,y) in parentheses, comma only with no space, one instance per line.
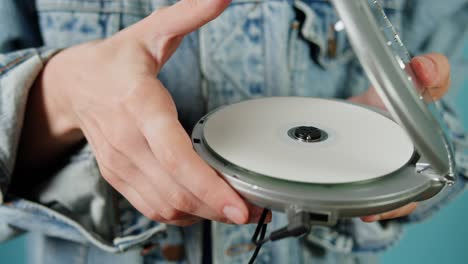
(385,61)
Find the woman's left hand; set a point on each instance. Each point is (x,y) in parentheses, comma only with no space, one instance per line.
(433,71)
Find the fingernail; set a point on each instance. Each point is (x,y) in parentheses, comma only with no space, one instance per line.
(426,62)
(427,65)
(234,214)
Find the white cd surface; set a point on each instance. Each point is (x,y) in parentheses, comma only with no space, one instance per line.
(260,136)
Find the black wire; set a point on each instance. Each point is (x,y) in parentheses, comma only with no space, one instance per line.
(259,245)
(259,227)
(259,241)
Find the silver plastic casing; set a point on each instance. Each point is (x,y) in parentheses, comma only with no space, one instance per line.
(325,202)
(425,175)
(398,89)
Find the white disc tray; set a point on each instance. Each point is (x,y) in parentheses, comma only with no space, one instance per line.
(361,162)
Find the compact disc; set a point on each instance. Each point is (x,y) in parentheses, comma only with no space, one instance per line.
(307,140)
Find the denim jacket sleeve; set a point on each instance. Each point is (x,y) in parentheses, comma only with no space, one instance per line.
(20,63)
(81,211)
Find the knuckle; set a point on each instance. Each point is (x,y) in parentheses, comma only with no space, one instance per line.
(172,214)
(183,202)
(204,194)
(153,215)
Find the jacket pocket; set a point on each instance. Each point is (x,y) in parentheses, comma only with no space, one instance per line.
(323,29)
(244,52)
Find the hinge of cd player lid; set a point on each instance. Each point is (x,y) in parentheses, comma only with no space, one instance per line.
(426,169)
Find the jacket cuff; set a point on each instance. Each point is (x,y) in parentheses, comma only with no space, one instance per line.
(18,72)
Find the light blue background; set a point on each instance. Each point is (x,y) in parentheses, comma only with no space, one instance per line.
(441,239)
(444,237)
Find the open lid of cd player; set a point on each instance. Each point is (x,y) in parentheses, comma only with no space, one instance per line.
(331,159)
(386,63)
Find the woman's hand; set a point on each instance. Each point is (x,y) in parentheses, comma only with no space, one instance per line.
(107,91)
(433,71)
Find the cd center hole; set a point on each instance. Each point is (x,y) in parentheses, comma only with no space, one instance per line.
(307,134)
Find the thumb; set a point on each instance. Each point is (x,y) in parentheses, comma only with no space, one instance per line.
(180,19)
(161,32)
(433,71)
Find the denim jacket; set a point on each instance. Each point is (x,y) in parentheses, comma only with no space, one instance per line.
(255,48)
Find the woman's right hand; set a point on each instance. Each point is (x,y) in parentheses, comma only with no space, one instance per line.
(107,92)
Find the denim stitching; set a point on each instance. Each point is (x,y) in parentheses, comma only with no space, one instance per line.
(15,62)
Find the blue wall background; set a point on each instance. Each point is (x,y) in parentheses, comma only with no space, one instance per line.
(444,237)
(441,239)
(13,252)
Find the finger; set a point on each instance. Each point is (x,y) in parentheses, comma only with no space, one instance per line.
(255,213)
(162,31)
(433,71)
(159,208)
(172,147)
(113,162)
(181,18)
(164,196)
(402,211)
(132,147)
(370,98)
(176,154)
(139,203)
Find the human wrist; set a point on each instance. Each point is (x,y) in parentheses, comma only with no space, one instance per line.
(50,93)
